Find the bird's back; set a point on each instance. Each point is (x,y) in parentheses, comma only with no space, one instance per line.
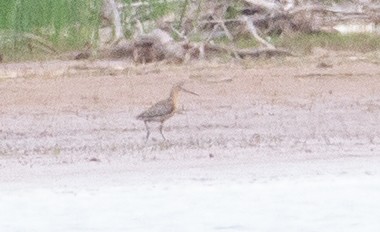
(160,111)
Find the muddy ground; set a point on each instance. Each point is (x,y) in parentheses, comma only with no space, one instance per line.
(65,112)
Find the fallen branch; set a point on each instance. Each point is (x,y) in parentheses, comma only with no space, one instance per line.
(40,42)
(250,52)
(226,31)
(252,29)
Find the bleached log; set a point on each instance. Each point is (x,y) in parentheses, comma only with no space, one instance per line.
(110,10)
(267,4)
(249,52)
(160,45)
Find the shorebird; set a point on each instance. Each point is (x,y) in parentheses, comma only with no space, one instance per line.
(163,110)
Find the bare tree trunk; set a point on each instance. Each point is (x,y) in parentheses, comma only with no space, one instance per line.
(112,15)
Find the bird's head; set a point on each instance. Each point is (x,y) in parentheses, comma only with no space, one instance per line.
(179,87)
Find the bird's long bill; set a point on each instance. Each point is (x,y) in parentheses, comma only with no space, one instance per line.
(188,91)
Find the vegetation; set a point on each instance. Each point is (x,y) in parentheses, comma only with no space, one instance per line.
(148,11)
(303,42)
(63,24)
(31,28)
(334,41)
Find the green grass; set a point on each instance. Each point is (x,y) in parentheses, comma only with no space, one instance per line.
(65,24)
(239,42)
(351,42)
(304,43)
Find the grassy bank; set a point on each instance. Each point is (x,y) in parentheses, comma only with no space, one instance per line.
(27,27)
(31,30)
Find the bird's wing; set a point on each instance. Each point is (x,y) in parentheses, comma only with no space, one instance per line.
(161,108)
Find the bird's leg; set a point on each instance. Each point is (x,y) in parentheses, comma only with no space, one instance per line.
(147,131)
(161,125)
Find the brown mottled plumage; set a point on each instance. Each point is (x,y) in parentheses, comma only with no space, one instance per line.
(163,110)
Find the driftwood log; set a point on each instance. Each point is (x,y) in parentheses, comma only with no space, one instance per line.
(208,20)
